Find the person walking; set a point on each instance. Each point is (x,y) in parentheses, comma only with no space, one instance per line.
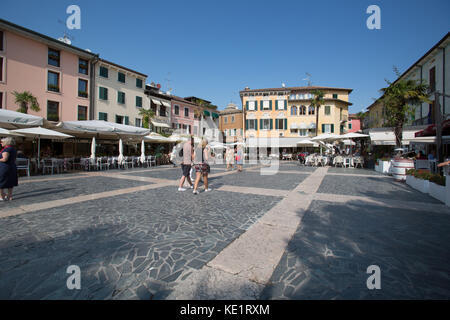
(229,158)
(239,158)
(187,163)
(173,156)
(202,168)
(8,169)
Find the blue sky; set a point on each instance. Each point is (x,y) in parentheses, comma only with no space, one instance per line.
(212,49)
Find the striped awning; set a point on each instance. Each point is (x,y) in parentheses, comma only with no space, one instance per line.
(160,124)
(156,101)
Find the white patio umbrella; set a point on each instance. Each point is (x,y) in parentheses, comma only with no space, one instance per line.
(120,157)
(353,135)
(307,143)
(39,132)
(142,158)
(9,133)
(13,119)
(348,142)
(326,137)
(93,146)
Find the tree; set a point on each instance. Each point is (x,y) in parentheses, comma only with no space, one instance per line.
(146,116)
(316,102)
(398,99)
(26,100)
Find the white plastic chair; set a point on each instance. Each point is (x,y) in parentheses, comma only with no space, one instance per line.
(23,164)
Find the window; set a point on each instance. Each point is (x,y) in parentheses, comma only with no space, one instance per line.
(119,119)
(433,79)
(53,57)
(252,124)
(303,132)
(225,119)
(121,97)
(311,110)
(82,88)
(350,126)
(293,110)
(139,83)
(1,69)
(266,104)
(138,122)
(176,109)
(53,81)
(327,128)
(251,105)
(52,111)
(83,66)
(280,124)
(121,77)
(281,105)
(235,132)
(103,93)
(103,116)
(232,119)
(302,110)
(162,111)
(186,112)
(1,41)
(104,72)
(265,124)
(1,100)
(82,113)
(327,110)
(138,102)
(335,96)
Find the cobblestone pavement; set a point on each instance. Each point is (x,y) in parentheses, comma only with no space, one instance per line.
(153,242)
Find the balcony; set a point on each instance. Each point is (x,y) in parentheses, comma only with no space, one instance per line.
(303,96)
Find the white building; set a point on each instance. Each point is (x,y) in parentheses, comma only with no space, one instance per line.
(119,94)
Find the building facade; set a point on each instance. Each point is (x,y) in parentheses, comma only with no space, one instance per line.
(160,104)
(433,69)
(287,112)
(120,94)
(182,116)
(354,123)
(231,123)
(56,73)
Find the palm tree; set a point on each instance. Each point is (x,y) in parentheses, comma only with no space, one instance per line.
(26,100)
(146,116)
(398,99)
(316,102)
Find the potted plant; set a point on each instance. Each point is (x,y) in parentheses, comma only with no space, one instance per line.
(398,99)
(437,187)
(418,180)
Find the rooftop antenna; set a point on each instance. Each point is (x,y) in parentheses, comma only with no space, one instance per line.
(308,78)
(168,83)
(67,38)
(283,85)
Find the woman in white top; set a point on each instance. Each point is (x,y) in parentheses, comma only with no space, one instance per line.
(201,165)
(229,158)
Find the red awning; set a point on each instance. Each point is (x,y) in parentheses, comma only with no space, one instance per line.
(431,130)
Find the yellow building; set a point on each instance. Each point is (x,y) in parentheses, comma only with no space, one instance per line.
(287,112)
(375,117)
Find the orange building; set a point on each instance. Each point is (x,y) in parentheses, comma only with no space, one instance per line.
(231,123)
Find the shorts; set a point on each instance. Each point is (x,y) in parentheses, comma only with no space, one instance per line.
(203,168)
(186,168)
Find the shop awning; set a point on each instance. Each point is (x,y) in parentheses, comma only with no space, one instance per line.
(206,113)
(156,101)
(387,137)
(215,115)
(160,124)
(165,104)
(431,130)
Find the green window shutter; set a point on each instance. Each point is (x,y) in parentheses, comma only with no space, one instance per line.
(261,123)
(256,124)
(271,124)
(323,128)
(276,104)
(246,123)
(276,123)
(285,124)
(332,128)
(126,120)
(246,105)
(270,105)
(261,105)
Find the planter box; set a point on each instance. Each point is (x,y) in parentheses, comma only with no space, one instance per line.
(383,166)
(418,184)
(438,192)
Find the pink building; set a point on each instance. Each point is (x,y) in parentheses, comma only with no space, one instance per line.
(354,124)
(59,75)
(183,115)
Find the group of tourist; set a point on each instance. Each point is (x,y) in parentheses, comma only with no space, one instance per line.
(195,157)
(234,155)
